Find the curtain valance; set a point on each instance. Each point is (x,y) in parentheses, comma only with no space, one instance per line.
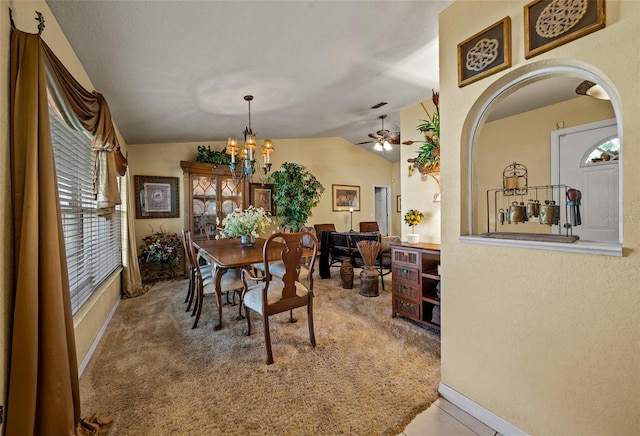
(87,110)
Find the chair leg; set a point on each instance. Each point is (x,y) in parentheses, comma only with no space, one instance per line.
(239,292)
(192,290)
(197,308)
(247,313)
(381,277)
(312,335)
(267,339)
(291,318)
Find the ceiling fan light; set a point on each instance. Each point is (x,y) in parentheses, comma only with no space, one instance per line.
(386,145)
(378,147)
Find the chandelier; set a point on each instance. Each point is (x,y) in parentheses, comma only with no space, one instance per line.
(247,156)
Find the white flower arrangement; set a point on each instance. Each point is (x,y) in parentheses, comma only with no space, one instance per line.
(252,221)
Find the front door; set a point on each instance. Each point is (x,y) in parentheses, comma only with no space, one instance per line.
(587,160)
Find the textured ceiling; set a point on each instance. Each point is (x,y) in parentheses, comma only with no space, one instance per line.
(177,71)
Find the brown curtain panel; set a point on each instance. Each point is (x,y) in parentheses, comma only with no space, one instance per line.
(43,377)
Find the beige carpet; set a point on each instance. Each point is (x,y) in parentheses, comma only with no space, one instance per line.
(370,374)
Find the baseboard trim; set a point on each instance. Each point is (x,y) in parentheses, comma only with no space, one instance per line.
(480,413)
(96,341)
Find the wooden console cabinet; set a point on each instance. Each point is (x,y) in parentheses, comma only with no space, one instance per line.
(415,282)
(210,193)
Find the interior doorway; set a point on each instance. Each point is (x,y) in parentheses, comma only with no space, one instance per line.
(587,158)
(382,207)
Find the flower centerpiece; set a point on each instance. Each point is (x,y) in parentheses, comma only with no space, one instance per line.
(160,247)
(413,218)
(246,224)
(428,160)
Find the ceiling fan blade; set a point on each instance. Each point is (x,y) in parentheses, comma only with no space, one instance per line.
(374,136)
(410,142)
(395,139)
(366,142)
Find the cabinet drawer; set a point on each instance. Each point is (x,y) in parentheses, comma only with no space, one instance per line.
(405,290)
(407,274)
(406,308)
(407,257)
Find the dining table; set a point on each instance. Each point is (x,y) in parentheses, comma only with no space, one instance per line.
(228,254)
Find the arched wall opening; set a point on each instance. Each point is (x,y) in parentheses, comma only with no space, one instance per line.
(493,142)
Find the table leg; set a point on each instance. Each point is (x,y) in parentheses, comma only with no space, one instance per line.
(219,273)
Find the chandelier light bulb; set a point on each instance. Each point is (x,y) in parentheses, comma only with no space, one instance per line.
(378,147)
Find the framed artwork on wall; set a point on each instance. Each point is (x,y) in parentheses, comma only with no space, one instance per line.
(346,198)
(157,197)
(551,23)
(262,196)
(485,53)
(398,203)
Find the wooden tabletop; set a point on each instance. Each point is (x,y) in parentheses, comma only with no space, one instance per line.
(228,253)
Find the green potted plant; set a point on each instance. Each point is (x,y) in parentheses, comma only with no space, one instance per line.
(296,192)
(428,159)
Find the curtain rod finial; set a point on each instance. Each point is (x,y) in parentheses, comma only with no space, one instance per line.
(40,20)
(13,25)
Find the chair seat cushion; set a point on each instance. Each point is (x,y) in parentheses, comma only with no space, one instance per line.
(277,269)
(253,295)
(231,281)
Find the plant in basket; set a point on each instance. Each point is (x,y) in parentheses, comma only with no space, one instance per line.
(160,247)
(428,159)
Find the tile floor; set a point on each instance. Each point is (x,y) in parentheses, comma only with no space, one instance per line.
(445,419)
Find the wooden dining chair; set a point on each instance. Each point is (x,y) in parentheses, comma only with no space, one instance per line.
(269,295)
(206,269)
(205,283)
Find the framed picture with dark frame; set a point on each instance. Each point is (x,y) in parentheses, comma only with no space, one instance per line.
(549,24)
(485,53)
(345,198)
(262,196)
(398,203)
(157,197)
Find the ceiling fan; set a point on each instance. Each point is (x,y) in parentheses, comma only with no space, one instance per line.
(383,138)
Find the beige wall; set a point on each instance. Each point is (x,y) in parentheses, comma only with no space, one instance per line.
(546,340)
(95,314)
(524,138)
(417,191)
(330,160)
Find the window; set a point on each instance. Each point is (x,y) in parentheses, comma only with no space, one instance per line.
(93,243)
(605,152)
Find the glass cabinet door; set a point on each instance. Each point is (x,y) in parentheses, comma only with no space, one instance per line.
(210,195)
(204,204)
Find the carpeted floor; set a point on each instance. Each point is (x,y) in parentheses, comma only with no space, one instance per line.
(370,374)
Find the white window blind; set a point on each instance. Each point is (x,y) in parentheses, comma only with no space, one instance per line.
(93,243)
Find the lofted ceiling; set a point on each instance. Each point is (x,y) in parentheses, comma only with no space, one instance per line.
(177,71)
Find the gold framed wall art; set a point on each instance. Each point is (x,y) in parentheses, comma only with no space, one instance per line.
(551,23)
(485,53)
